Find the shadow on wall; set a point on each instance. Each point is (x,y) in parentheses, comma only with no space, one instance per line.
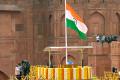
(3,76)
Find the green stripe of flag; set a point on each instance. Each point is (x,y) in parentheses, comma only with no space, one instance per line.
(71,24)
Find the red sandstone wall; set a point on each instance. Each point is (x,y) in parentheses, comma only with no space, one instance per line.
(115,55)
(15,45)
(41,30)
(100,58)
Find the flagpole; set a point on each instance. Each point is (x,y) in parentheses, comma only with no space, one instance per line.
(66,36)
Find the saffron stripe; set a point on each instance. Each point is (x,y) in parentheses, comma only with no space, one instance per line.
(73,13)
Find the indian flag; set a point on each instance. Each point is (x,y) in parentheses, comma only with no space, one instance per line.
(74,22)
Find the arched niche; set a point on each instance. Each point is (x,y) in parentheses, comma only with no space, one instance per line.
(116,24)
(61,1)
(3,76)
(96,24)
(62,26)
(95,1)
(116,1)
(51,27)
(74,1)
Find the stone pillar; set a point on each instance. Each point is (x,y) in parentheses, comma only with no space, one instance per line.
(115,54)
(99,58)
(92,58)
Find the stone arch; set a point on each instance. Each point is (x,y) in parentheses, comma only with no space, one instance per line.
(96,24)
(118,17)
(63,61)
(61,1)
(3,76)
(95,1)
(50,18)
(74,1)
(62,26)
(116,24)
(51,28)
(116,1)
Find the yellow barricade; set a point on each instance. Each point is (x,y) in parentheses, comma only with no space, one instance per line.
(45,73)
(86,72)
(51,73)
(77,73)
(68,74)
(111,76)
(89,73)
(41,72)
(33,72)
(37,72)
(59,73)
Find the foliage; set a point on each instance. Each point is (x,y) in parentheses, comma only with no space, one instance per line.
(25,67)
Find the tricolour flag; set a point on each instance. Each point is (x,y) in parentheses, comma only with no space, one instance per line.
(74,22)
